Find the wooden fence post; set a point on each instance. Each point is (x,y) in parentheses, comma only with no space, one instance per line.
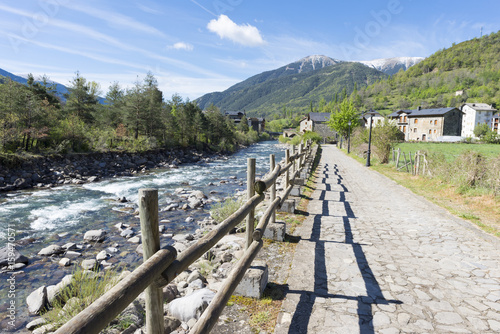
(148,212)
(397,158)
(293,164)
(299,165)
(287,173)
(272,163)
(250,193)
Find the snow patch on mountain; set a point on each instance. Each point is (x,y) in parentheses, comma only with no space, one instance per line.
(392,65)
(311,63)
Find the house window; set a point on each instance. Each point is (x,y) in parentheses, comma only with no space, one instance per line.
(434,130)
(430,131)
(415,130)
(416,120)
(435,122)
(430,122)
(405,120)
(423,137)
(404,128)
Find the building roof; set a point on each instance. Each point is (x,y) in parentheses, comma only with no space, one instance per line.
(480,106)
(422,112)
(367,115)
(319,117)
(234,113)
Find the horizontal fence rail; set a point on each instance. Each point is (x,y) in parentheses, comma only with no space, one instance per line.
(161,266)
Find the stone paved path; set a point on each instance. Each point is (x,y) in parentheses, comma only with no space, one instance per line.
(375,258)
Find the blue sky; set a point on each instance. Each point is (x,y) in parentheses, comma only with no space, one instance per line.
(195,47)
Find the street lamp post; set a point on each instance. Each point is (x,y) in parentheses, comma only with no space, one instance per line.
(369,139)
(349,139)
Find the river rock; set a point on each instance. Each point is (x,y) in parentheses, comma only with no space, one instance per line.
(22,183)
(72,254)
(170,292)
(89,264)
(94,236)
(198,194)
(65,262)
(191,306)
(93,179)
(54,291)
(135,240)
(171,207)
(51,250)
(189,220)
(127,233)
(10,253)
(37,300)
(101,256)
(195,203)
(36,323)
(171,324)
(69,246)
(194,275)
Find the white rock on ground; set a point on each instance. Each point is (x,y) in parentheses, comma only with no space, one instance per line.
(51,250)
(37,300)
(94,236)
(191,306)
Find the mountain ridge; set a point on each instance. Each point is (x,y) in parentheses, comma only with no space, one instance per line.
(234,96)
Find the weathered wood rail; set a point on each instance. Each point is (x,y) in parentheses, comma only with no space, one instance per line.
(161,266)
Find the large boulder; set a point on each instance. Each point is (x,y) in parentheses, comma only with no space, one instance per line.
(54,291)
(9,255)
(51,250)
(37,300)
(191,306)
(95,236)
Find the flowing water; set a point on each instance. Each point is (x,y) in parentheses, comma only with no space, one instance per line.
(63,214)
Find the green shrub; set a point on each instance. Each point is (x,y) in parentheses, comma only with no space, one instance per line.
(383,138)
(85,288)
(296,140)
(222,210)
(282,139)
(314,136)
(264,136)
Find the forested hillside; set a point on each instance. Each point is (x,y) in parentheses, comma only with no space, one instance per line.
(472,67)
(136,119)
(296,92)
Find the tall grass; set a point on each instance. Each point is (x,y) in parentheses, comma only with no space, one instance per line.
(222,210)
(470,171)
(85,287)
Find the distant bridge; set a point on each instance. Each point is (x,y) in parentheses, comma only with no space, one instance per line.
(289,133)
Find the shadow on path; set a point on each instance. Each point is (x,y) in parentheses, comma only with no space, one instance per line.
(374,295)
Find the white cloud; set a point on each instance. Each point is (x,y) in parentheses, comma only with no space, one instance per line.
(115,19)
(246,35)
(181,46)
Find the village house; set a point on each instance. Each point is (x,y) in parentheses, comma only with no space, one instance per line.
(377,119)
(317,122)
(428,124)
(475,114)
(495,122)
(258,124)
(235,116)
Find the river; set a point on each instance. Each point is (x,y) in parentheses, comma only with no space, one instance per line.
(63,214)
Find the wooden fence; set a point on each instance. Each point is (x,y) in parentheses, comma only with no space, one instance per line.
(416,164)
(161,266)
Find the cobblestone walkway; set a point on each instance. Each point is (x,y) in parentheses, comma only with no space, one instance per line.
(375,258)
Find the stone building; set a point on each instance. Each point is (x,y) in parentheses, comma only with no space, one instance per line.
(428,124)
(317,122)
